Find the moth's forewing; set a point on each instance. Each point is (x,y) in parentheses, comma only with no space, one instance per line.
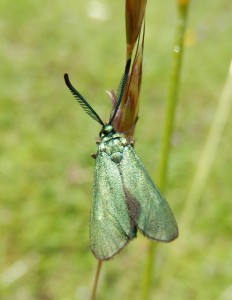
(110,227)
(149,209)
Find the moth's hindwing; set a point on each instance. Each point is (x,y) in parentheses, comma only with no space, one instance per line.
(148,208)
(110,227)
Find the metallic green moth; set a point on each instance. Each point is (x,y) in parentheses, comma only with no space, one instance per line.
(124,196)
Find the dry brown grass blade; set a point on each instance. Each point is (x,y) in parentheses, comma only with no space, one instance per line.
(127,115)
(135,10)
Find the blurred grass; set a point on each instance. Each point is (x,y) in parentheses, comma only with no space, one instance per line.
(46,171)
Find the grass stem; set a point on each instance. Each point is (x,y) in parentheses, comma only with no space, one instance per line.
(199,181)
(168,129)
(208,152)
(96,280)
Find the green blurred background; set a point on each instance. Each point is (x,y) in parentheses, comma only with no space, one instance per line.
(46,172)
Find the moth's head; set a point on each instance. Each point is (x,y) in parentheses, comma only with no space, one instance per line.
(106,130)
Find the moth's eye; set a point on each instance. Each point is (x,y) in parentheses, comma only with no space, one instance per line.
(102,133)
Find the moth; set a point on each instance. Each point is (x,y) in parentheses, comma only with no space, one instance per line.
(125,199)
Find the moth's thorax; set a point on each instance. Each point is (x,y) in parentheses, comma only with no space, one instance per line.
(113,144)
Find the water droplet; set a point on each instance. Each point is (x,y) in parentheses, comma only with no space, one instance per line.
(176,49)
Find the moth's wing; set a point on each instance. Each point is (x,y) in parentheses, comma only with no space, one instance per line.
(110,227)
(148,207)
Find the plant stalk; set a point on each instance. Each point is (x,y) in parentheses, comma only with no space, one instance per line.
(168,130)
(96,280)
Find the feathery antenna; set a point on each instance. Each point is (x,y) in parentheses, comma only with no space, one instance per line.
(120,91)
(81,100)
